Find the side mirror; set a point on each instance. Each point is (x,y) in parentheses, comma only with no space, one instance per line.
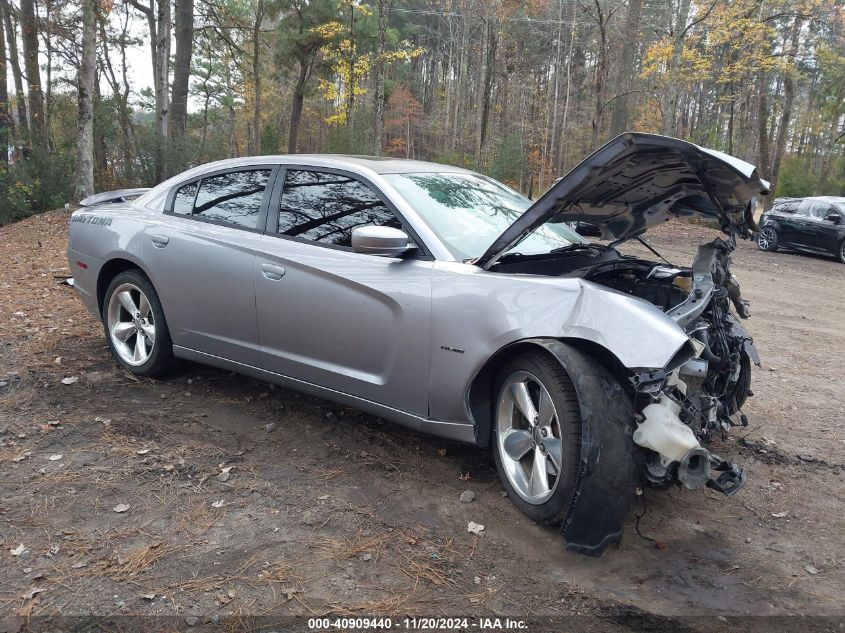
(833,217)
(587,230)
(380,240)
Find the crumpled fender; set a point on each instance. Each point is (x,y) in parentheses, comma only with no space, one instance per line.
(610,462)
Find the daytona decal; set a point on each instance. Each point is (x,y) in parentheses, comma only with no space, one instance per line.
(92,219)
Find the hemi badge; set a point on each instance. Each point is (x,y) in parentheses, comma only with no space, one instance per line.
(452,349)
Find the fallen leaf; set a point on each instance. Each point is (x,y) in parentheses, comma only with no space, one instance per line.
(464,477)
(143,451)
(121,507)
(810,569)
(53,422)
(441,452)
(474,528)
(55,458)
(29,595)
(17,551)
(70,380)
(218,504)
(148,596)
(779,515)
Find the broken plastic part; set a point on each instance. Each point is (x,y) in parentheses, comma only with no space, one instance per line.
(694,469)
(730,481)
(663,432)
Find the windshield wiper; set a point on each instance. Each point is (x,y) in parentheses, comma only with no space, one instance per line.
(579,246)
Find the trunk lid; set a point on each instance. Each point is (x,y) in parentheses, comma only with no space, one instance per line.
(636,181)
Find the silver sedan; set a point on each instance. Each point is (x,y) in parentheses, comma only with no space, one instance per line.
(445,301)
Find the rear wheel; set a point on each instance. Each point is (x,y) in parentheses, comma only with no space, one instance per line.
(537,441)
(842,252)
(135,327)
(767,240)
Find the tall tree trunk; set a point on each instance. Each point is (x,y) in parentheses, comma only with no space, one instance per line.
(29,38)
(162,79)
(158,19)
(487,85)
(626,69)
(184,30)
(85,126)
(350,92)
(5,113)
(601,74)
(48,92)
(670,104)
(296,104)
(384,7)
(788,102)
(256,77)
(763,123)
(14,61)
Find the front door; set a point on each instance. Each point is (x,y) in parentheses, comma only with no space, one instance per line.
(354,323)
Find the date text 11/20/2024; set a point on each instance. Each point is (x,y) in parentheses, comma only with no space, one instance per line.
(417,624)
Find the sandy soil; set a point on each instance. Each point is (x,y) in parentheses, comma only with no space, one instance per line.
(333,511)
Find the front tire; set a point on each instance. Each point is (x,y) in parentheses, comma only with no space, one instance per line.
(842,252)
(767,239)
(537,436)
(135,327)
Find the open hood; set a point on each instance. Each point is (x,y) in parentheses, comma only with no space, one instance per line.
(638,180)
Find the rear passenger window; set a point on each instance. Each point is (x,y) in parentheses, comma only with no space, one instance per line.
(183,201)
(231,198)
(325,208)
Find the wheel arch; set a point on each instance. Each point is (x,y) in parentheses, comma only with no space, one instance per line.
(109,271)
(480,396)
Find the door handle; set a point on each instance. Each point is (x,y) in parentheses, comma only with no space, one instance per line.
(273,272)
(160,241)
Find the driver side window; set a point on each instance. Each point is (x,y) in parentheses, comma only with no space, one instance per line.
(325,208)
(820,210)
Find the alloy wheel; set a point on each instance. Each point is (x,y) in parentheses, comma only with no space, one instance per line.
(766,239)
(529,437)
(131,324)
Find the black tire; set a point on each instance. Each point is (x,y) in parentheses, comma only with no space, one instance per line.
(548,371)
(161,358)
(841,254)
(767,239)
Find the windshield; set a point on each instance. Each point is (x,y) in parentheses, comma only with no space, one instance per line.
(468,212)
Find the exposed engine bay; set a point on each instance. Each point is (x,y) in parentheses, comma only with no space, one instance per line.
(679,409)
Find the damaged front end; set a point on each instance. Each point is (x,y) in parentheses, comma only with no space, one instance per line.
(681,409)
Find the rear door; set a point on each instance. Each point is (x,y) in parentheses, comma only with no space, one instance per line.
(354,323)
(201,257)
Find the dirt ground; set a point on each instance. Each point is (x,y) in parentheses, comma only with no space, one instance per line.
(336,512)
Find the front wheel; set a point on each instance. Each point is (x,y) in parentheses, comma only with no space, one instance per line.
(537,436)
(842,252)
(135,327)
(767,240)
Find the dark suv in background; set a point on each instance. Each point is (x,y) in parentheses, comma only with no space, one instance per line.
(810,225)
